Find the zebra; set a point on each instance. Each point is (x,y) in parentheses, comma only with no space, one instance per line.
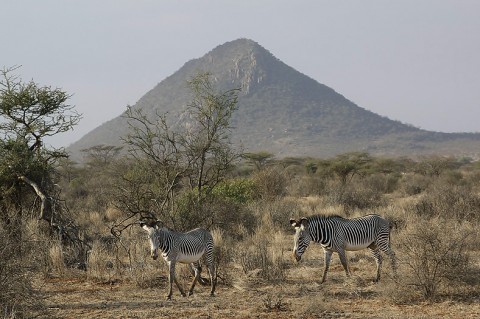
(186,248)
(337,234)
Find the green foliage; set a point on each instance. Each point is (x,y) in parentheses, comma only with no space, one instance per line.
(31,112)
(349,164)
(224,213)
(240,191)
(28,114)
(311,167)
(188,215)
(17,160)
(206,143)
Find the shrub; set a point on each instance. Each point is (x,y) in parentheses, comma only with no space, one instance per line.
(436,255)
(413,184)
(57,259)
(381,183)
(18,259)
(354,196)
(260,252)
(101,264)
(240,191)
(222,254)
(307,185)
(455,202)
(270,182)
(275,214)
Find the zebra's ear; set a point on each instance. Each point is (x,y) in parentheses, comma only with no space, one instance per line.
(144,225)
(158,224)
(303,222)
(294,223)
(147,223)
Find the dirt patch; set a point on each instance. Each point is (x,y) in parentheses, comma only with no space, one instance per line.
(248,297)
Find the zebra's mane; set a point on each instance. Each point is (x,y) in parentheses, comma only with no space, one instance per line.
(323,216)
(165,228)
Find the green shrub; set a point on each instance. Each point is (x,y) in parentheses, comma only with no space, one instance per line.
(239,190)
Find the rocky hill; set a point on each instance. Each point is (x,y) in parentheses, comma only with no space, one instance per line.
(285,112)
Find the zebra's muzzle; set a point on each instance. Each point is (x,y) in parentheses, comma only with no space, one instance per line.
(154,255)
(296,256)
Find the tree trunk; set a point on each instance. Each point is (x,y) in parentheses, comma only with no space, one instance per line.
(45,207)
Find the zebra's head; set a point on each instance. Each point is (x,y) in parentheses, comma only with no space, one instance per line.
(302,237)
(151,228)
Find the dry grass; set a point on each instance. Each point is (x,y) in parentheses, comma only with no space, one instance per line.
(138,291)
(300,295)
(259,279)
(57,258)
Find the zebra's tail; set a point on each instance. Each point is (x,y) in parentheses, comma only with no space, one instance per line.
(392,224)
(203,281)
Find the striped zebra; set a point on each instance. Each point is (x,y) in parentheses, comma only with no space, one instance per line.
(186,248)
(337,234)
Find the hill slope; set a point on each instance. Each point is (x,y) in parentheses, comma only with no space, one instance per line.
(285,112)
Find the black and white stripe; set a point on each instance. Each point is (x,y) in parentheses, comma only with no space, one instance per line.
(337,234)
(187,248)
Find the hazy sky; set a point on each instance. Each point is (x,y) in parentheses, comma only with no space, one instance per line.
(416,61)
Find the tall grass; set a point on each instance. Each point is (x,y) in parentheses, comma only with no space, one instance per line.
(436,218)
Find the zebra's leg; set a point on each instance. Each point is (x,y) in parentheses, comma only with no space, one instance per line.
(387,250)
(197,270)
(328,256)
(211,270)
(343,259)
(172,278)
(179,287)
(213,278)
(378,260)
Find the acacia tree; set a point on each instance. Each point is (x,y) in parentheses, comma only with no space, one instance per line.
(259,160)
(172,163)
(346,166)
(155,168)
(206,142)
(28,114)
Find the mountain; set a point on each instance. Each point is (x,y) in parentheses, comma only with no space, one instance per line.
(283,111)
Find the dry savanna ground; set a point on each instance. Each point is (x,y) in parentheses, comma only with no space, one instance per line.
(248,295)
